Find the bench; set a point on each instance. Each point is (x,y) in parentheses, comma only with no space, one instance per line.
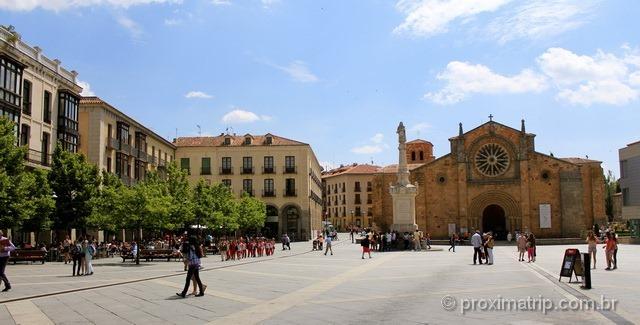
(27,255)
(151,254)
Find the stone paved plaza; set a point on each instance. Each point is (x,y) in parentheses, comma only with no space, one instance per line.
(305,287)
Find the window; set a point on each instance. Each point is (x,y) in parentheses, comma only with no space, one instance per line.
(625,197)
(45,148)
(358,212)
(108,164)
(268,140)
(357,187)
(226,168)
(421,155)
(247,141)
(26,97)
(413,155)
(344,187)
(369,198)
(206,166)
(139,170)
(123,133)
(46,108)
(369,212)
(25,133)
(268,167)
(357,199)
(269,190)
(226,182)
(247,165)
(121,164)
(109,131)
(141,143)
(369,187)
(247,186)
(290,187)
(623,168)
(185,164)
(289,164)
(227,141)
(10,81)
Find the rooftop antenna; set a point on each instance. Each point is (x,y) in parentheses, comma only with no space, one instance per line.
(199,130)
(176,133)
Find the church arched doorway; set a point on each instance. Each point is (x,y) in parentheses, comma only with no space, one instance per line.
(494,220)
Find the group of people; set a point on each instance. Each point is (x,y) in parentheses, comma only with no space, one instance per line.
(236,249)
(526,242)
(610,248)
(482,247)
(80,253)
(393,240)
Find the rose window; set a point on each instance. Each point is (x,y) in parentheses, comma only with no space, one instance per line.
(492,160)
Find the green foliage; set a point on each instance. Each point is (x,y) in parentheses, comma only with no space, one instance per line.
(146,205)
(610,188)
(39,205)
(107,204)
(12,192)
(252,213)
(215,207)
(75,182)
(181,213)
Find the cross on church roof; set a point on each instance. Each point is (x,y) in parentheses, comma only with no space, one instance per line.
(491,117)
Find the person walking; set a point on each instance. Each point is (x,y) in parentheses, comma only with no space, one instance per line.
(592,244)
(614,236)
(223,249)
(476,242)
(522,247)
(365,246)
(6,247)
(353,236)
(77,258)
(194,253)
(88,257)
(610,246)
(417,237)
(489,245)
(452,242)
(66,249)
(327,243)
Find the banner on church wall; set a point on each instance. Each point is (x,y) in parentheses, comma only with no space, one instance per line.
(545,215)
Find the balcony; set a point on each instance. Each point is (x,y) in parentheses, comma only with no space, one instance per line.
(268,170)
(141,154)
(153,160)
(125,148)
(290,192)
(247,170)
(358,201)
(205,171)
(248,191)
(226,170)
(357,189)
(113,143)
(268,193)
(38,158)
(162,162)
(290,170)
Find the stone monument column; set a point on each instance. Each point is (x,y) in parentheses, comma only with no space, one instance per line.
(403,192)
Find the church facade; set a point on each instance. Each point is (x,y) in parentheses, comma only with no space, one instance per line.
(493,179)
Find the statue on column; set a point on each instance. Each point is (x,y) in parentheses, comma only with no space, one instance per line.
(403,193)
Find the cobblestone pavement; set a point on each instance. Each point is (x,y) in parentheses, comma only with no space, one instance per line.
(303,287)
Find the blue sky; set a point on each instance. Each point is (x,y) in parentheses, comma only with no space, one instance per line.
(340,75)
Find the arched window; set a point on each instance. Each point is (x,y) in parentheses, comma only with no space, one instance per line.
(421,155)
(413,155)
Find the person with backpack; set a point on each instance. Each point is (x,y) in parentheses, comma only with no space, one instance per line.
(77,258)
(194,253)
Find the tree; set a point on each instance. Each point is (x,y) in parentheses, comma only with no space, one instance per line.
(12,193)
(107,205)
(74,182)
(39,205)
(252,213)
(181,213)
(610,188)
(215,207)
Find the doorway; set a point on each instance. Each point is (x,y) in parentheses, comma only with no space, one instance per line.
(494,220)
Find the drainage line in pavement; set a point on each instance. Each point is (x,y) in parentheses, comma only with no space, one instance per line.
(44,295)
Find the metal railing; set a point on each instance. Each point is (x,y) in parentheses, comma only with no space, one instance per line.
(290,192)
(226,170)
(268,170)
(268,193)
(39,158)
(290,170)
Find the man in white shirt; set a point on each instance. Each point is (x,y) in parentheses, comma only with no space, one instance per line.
(476,242)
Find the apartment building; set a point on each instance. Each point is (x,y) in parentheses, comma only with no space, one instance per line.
(283,173)
(40,96)
(630,180)
(349,195)
(119,144)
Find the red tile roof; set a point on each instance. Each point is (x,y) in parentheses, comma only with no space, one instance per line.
(352,169)
(236,141)
(419,141)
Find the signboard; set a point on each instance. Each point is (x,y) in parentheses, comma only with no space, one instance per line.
(545,215)
(571,264)
(452,229)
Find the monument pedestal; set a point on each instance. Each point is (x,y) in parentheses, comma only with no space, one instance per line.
(404,208)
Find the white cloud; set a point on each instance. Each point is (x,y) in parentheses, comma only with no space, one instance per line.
(197,94)
(86,88)
(298,71)
(61,5)
(431,17)
(463,79)
(129,24)
(377,138)
(242,116)
(602,78)
(266,118)
(221,2)
(172,21)
(367,149)
(420,127)
(536,19)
